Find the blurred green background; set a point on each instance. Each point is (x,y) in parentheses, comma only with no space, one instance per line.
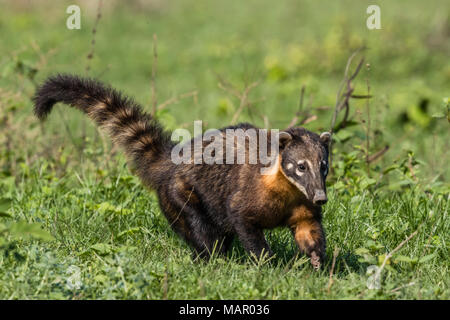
(283,45)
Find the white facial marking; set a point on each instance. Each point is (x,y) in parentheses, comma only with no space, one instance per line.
(295,183)
(289,166)
(311,168)
(301,188)
(298,172)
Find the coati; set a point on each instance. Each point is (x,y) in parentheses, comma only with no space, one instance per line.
(209,204)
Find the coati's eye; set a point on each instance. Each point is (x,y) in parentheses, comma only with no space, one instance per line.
(301,167)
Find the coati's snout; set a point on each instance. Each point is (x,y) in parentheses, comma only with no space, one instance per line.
(305,162)
(320,197)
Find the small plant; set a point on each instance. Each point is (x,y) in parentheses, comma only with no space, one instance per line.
(12,232)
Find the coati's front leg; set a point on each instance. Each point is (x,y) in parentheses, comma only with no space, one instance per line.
(310,239)
(308,232)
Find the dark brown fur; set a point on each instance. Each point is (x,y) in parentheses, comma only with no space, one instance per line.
(205,204)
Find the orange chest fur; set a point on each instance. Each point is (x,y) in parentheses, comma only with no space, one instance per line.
(276,185)
(276,197)
(284,198)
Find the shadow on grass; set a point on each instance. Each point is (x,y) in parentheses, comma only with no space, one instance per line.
(287,256)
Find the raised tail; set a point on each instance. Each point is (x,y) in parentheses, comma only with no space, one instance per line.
(143,139)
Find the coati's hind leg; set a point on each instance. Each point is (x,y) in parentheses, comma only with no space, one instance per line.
(252,238)
(250,235)
(187,218)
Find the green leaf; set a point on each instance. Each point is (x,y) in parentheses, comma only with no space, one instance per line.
(362,251)
(343,135)
(390,168)
(128,232)
(406,259)
(25,230)
(381,259)
(367,182)
(105,207)
(5,204)
(102,248)
(6,215)
(368,259)
(373,246)
(426,258)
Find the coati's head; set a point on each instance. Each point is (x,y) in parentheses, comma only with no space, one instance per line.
(304,161)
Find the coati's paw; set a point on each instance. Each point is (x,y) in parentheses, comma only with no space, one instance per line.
(316,260)
(315,252)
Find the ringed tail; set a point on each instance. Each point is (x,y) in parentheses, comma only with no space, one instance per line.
(145,143)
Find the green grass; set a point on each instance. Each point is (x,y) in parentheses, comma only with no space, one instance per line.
(126,250)
(66,177)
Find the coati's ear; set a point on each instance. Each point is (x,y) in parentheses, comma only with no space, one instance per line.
(325,138)
(284,138)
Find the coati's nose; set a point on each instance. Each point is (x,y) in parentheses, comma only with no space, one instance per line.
(320,198)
